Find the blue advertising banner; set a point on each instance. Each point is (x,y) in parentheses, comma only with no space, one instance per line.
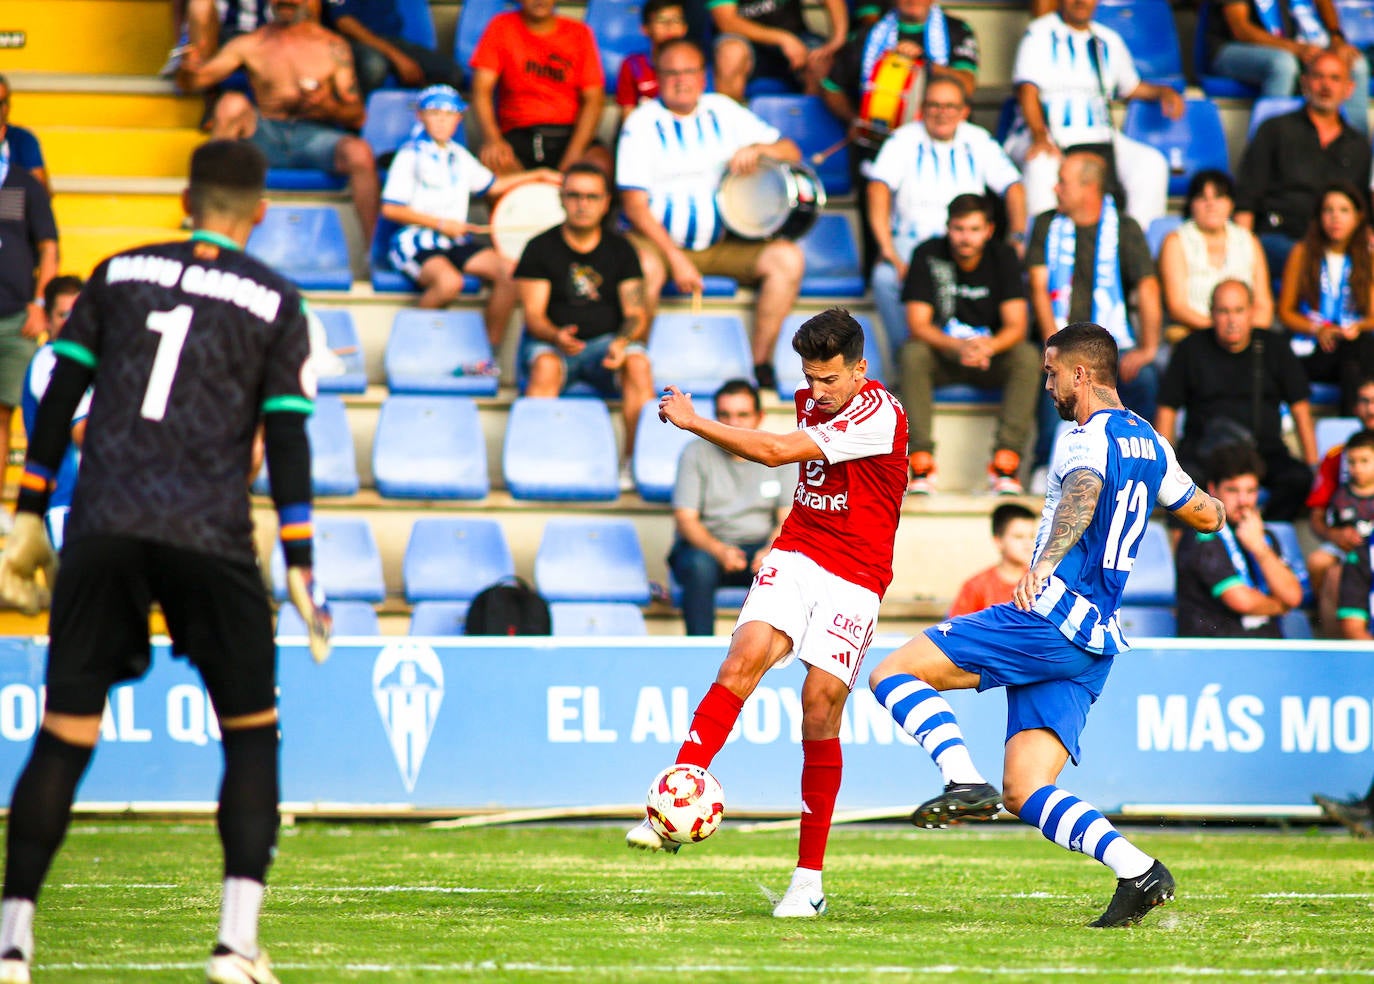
(474,723)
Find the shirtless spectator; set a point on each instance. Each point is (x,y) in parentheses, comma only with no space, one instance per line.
(307,100)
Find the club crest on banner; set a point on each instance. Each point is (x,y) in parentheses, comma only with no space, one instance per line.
(408,686)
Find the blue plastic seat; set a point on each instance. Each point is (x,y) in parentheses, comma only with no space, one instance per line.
(386,279)
(615,24)
(1296,625)
(303,179)
(832,259)
(561,448)
(787,364)
(1159,231)
(351,618)
(1147,621)
(596,618)
(306,244)
(1357,21)
(712,285)
(813,128)
(439,618)
(390,118)
(342,335)
(472,21)
(1325,394)
(1215,86)
(1152,579)
(1290,549)
(591,560)
(430,447)
(453,559)
(417,23)
(347,562)
(1267,107)
(436,351)
(696,353)
(333,463)
(1332,431)
(658,446)
(1147,27)
(1194,142)
(727,596)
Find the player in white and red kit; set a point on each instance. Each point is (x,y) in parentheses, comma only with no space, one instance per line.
(816,594)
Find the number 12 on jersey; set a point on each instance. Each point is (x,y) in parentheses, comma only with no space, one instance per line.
(1133,503)
(172,326)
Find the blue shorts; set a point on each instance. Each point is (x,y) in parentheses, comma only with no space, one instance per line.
(585,366)
(297,143)
(1050,682)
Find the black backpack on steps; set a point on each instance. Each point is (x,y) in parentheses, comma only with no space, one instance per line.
(510,607)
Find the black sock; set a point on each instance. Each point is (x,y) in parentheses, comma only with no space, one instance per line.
(248,796)
(40,809)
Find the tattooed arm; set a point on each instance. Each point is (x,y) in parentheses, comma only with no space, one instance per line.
(1202,512)
(1077,503)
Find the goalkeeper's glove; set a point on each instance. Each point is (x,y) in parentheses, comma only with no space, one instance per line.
(308,597)
(27,551)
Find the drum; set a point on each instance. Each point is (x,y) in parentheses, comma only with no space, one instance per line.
(523,213)
(891,97)
(778,198)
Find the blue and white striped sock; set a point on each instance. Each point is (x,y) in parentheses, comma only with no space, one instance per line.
(1076,826)
(921,712)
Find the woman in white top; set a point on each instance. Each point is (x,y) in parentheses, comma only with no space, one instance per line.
(1207,249)
(1327,298)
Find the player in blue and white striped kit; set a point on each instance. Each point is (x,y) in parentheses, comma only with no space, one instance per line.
(1052,647)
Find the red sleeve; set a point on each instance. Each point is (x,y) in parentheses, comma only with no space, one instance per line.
(589,73)
(493,44)
(1327,481)
(626,86)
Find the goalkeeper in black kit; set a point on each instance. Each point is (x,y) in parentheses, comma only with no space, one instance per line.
(189,347)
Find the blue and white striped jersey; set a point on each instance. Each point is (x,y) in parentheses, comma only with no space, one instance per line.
(1138,469)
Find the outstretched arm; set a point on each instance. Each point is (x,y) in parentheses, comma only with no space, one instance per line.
(1202,512)
(1077,503)
(675,407)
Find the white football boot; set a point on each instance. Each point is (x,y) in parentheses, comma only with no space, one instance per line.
(644,837)
(804,896)
(14,971)
(233,968)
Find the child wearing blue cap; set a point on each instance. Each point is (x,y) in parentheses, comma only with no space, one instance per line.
(431,181)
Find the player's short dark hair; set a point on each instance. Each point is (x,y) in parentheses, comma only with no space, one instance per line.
(676,43)
(736,386)
(227,177)
(61,287)
(1232,461)
(652,8)
(1091,343)
(587,167)
(1360,439)
(967,204)
(828,334)
(1003,515)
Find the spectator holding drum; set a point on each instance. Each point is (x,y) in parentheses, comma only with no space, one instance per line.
(672,156)
(427,191)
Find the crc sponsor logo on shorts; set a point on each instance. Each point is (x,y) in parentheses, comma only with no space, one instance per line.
(839,502)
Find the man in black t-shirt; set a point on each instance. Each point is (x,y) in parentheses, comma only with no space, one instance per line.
(966,314)
(190,347)
(583,295)
(1213,375)
(1234,584)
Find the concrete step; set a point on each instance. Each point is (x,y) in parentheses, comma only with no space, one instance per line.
(83,247)
(99,108)
(103,37)
(156,152)
(112,210)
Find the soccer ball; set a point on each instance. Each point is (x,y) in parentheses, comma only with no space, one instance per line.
(686,804)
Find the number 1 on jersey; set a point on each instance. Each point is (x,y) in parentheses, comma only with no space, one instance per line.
(1132,500)
(172,326)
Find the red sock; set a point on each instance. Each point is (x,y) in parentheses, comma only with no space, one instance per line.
(822,767)
(715,716)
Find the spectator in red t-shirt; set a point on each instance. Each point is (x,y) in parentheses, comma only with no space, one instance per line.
(662,21)
(546,72)
(1013,532)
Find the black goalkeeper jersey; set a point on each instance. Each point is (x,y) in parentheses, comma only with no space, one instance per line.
(191,343)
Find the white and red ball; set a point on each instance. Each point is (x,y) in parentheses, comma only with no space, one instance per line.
(686,804)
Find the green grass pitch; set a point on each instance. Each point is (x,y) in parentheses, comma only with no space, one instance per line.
(138,901)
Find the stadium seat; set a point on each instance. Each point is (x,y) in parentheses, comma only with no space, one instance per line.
(453,559)
(1357,21)
(436,351)
(729,596)
(787,364)
(658,446)
(1332,431)
(390,118)
(1194,142)
(1152,577)
(561,449)
(698,352)
(303,179)
(348,564)
(472,21)
(712,285)
(1267,106)
(306,244)
(1213,85)
(1325,394)
(1147,27)
(593,618)
(1159,231)
(351,618)
(430,447)
(832,259)
(342,335)
(1290,549)
(386,279)
(1296,625)
(813,128)
(615,24)
(438,618)
(1147,621)
(417,23)
(591,560)
(333,463)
